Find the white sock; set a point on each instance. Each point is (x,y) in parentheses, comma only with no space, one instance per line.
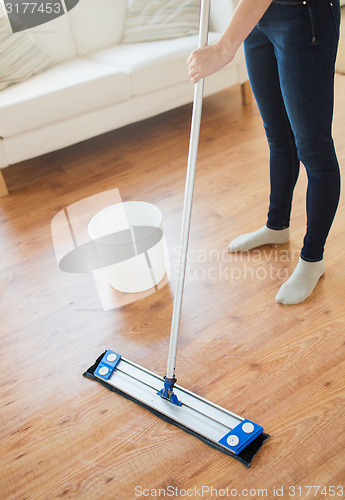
(263,236)
(301,282)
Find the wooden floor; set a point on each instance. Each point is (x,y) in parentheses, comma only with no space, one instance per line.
(63,436)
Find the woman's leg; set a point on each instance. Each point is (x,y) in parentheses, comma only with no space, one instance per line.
(305,53)
(305,37)
(284,164)
(306,49)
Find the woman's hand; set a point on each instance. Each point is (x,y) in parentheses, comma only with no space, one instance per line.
(207,60)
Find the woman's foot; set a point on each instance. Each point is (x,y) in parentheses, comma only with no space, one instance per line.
(301,283)
(263,236)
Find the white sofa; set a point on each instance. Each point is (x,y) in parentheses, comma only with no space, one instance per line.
(96,84)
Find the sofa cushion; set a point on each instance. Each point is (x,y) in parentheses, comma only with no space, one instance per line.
(20,58)
(152,65)
(55,39)
(63,91)
(160,19)
(221,12)
(97,23)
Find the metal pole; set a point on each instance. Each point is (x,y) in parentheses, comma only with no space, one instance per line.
(188,197)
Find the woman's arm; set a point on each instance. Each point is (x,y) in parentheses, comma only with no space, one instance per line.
(207,60)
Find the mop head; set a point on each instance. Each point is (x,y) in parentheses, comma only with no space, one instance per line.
(245,456)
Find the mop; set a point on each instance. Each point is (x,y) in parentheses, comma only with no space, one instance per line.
(219,428)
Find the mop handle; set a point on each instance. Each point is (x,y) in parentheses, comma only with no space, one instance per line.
(188,196)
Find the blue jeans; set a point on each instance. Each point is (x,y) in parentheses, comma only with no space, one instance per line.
(290,58)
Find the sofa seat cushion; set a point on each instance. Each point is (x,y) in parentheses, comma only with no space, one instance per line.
(152,65)
(63,91)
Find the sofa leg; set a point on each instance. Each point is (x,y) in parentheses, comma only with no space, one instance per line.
(3,187)
(246,93)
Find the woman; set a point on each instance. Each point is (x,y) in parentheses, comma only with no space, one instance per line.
(290,49)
